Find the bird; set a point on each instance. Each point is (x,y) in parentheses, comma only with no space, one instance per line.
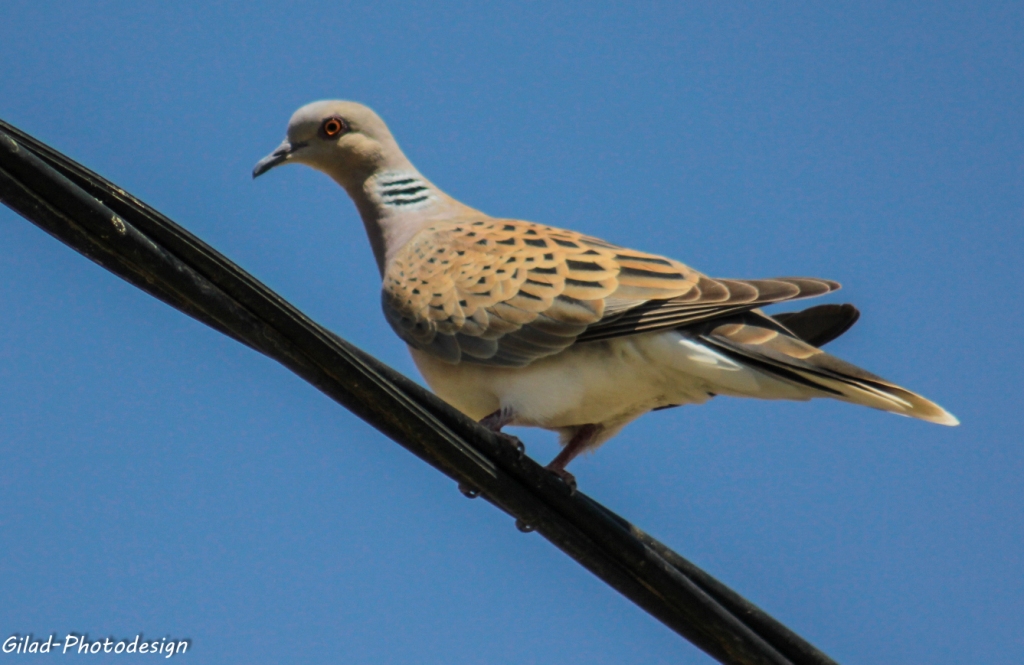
(517,323)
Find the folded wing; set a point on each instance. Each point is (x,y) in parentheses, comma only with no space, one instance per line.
(507,292)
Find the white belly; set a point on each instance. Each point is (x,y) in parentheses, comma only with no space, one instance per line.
(609,382)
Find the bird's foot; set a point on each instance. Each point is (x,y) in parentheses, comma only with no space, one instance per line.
(499,419)
(581,439)
(564,476)
(513,441)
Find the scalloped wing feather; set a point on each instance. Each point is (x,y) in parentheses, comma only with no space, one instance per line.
(507,292)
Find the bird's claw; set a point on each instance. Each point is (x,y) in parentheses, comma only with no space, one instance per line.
(565,477)
(514,442)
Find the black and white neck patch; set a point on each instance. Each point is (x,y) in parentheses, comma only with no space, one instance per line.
(403,190)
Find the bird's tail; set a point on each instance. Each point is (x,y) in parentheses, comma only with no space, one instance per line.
(757,340)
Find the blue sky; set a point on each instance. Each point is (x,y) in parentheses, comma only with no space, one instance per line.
(159,478)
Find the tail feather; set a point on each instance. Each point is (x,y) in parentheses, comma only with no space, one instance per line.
(887,397)
(753,338)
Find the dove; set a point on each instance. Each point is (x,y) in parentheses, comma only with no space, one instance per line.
(517,323)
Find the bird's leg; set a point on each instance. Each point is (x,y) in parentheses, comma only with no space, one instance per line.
(495,422)
(579,442)
(499,419)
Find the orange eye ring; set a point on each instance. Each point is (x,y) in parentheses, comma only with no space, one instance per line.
(333,126)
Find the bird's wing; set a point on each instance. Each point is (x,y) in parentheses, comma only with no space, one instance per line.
(507,292)
(821,324)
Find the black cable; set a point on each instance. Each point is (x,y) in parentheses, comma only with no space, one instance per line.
(145,248)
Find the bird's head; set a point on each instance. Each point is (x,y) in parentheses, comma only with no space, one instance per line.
(345,140)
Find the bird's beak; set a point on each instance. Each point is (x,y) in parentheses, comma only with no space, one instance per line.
(281,155)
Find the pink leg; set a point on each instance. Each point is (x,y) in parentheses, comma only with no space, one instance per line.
(579,442)
(498,419)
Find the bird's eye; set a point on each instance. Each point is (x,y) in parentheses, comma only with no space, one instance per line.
(333,126)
